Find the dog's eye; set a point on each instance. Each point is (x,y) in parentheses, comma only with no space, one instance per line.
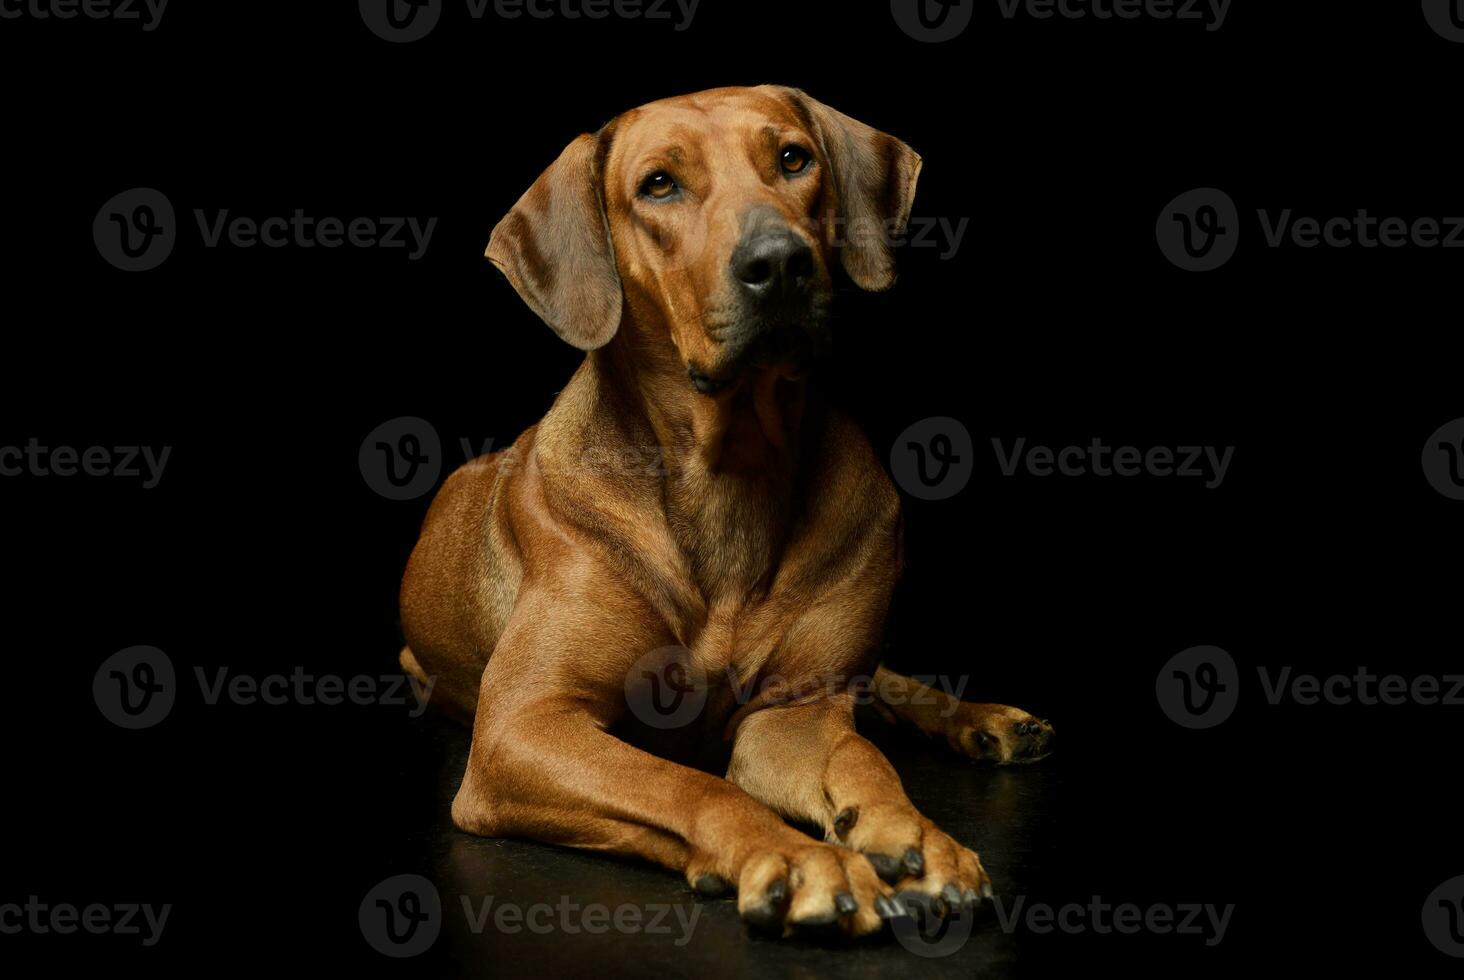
(658,186)
(795,159)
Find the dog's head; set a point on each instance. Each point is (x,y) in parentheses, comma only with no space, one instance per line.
(714,218)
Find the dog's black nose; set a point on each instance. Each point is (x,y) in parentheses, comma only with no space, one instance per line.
(772,266)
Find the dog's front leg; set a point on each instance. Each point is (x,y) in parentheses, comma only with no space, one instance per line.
(543,766)
(807,762)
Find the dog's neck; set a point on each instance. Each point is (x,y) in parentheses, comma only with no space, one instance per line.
(749,431)
(729,463)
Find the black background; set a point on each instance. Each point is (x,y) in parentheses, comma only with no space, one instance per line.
(1057,320)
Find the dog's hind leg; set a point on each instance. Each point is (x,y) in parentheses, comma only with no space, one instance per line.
(994,733)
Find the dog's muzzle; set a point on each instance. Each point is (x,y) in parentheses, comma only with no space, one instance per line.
(784,308)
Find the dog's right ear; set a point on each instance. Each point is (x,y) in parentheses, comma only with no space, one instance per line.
(554,247)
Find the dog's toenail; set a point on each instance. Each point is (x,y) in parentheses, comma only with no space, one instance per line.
(970,897)
(914,862)
(986,890)
(845,904)
(951,894)
(886,907)
(778,892)
(711,886)
(886,867)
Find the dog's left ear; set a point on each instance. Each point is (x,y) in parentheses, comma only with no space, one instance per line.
(874,178)
(554,247)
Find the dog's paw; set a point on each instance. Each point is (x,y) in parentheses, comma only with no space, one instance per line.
(805,889)
(999,734)
(924,864)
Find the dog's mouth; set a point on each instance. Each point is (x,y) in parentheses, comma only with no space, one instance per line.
(788,348)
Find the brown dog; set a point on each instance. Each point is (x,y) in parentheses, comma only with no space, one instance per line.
(687,246)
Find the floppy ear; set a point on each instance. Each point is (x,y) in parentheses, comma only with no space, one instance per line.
(874,178)
(554,246)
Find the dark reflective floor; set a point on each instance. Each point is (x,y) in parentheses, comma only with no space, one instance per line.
(1005,814)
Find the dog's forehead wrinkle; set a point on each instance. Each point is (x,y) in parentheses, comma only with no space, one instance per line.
(715,123)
